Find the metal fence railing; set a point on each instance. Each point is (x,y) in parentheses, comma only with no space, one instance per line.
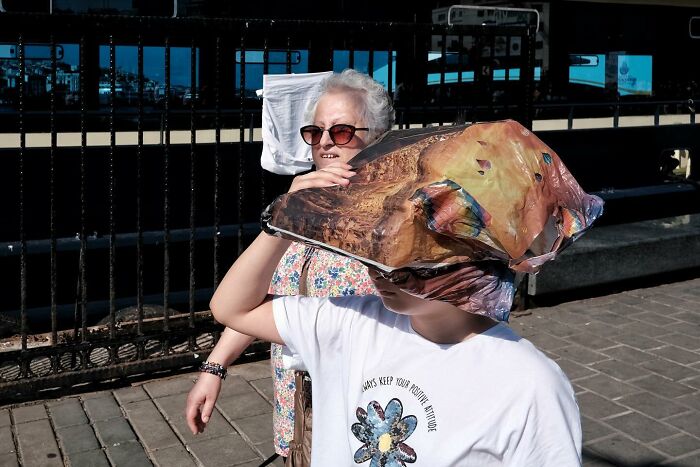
(131,174)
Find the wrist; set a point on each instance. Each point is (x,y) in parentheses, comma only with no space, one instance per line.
(213,368)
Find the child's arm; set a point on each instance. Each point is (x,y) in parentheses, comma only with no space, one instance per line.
(241,301)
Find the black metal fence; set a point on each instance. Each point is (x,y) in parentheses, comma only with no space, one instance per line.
(131,175)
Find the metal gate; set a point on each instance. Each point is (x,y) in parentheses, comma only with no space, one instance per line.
(131,175)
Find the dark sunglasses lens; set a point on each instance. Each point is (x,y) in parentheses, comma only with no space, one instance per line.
(311,134)
(341,134)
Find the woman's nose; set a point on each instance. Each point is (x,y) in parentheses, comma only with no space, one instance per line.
(326,140)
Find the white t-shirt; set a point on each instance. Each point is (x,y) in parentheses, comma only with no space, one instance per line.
(383,392)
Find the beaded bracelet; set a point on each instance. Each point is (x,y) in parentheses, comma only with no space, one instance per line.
(214,369)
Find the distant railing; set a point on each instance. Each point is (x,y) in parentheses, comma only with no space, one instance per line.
(676,111)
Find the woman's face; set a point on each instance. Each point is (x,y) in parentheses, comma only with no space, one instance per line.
(338,108)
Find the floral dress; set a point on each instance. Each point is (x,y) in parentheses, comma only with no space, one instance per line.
(328,275)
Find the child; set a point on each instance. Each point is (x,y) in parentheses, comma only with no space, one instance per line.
(398,379)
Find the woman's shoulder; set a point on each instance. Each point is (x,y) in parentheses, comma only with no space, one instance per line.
(285,279)
(331,274)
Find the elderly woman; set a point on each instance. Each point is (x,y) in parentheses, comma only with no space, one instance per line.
(352,111)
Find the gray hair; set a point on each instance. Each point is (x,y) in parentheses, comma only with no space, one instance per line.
(377,110)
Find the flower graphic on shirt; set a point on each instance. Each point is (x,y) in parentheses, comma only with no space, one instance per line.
(383,433)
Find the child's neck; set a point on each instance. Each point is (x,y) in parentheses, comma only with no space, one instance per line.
(450,325)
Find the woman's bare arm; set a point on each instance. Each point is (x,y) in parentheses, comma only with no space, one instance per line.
(203,396)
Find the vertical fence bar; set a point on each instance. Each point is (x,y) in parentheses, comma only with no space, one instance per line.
(508,38)
(166,193)
(491,65)
(241,136)
(405,92)
(351,51)
(20,176)
(506,102)
(691,108)
(111,199)
(570,118)
(472,91)
(80,315)
(139,193)
(83,196)
(426,93)
(657,110)
(390,66)
(460,85)
(443,70)
(52,194)
(266,53)
(217,156)
(194,93)
(370,59)
(529,39)
(288,63)
(251,127)
(477,90)
(417,56)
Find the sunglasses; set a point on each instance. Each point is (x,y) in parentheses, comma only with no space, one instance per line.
(340,133)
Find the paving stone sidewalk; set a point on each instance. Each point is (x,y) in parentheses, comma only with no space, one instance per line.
(633,358)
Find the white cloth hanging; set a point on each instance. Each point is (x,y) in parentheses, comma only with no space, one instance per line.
(285,99)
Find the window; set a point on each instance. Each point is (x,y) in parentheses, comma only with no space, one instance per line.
(277,64)
(25,6)
(127,78)
(37,79)
(634,75)
(452,74)
(380,68)
(694,27)
(587,69)
(117,7)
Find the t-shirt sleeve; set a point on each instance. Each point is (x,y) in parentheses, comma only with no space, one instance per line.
(309,325)
(552,432)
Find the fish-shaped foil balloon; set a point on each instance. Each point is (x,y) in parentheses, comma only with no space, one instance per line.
(446,213)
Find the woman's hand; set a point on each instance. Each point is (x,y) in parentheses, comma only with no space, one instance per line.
(335,173)
(201,400)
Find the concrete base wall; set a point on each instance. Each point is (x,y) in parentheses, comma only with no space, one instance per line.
(617,252)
